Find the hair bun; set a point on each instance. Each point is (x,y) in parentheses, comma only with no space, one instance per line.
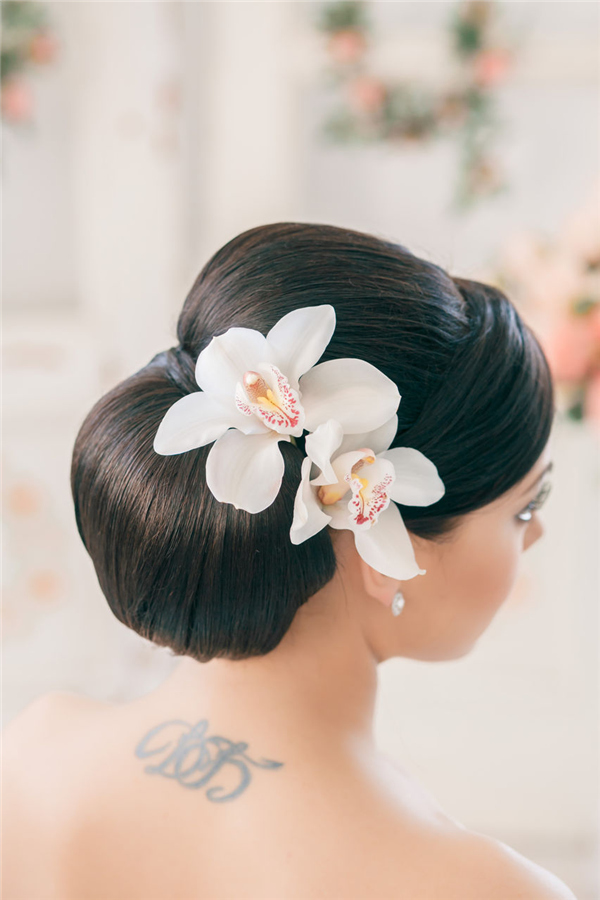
(207,579)
(179,366)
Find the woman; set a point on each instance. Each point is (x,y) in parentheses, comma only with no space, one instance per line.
(252,771)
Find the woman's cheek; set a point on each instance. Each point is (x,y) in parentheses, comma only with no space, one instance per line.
(497,566)
(508,560)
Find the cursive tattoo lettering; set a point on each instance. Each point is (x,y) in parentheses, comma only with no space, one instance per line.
(189,753)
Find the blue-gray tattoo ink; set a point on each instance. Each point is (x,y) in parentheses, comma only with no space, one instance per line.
(190,753)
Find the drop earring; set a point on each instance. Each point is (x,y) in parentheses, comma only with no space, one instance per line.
(397,603)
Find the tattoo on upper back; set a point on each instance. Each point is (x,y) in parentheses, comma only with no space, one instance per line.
(189,753)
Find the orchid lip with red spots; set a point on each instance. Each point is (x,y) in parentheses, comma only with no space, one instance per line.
(375,475)
(268,394)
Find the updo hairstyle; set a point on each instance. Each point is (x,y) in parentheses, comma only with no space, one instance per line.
(208,580)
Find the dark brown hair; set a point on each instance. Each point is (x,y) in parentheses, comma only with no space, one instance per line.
(206,579)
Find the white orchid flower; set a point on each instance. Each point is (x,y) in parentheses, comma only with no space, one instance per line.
(257,391)
(375,475)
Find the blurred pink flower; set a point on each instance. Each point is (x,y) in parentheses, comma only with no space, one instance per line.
(346,46)
(16,100)
(366,94)
(594,321)
(570,347)
(490,66)
(42,48)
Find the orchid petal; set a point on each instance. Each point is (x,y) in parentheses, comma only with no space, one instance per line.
(246,470)
(300,337)
(352,391)
(309,518)
(223,362)
(340,515)
(197,419)
(417,481)
(378,440)
(342,465)
(319,446)
(387,546)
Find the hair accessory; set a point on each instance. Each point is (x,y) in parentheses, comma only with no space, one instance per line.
(397,603)
(257,391)
(374,475)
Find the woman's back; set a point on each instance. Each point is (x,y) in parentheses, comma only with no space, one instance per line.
(83,819)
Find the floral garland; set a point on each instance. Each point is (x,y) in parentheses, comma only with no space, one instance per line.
(26,40)
(374,110)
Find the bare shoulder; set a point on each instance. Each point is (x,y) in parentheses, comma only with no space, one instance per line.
(498,872)
(43,716)
(451,862)
(32,745)
(36,805)
(33,750)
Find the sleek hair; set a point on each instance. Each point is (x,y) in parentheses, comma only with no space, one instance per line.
(208,580)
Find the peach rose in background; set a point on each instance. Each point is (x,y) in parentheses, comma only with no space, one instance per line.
(42,48)
(366,94)
(491,66)
(572,348)
(594,323)
(346,46)
(16,100)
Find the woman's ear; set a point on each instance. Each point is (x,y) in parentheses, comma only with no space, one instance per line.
(380,587)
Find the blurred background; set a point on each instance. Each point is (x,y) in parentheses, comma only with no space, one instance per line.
(140,137)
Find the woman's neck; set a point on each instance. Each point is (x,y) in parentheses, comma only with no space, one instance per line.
(319,684)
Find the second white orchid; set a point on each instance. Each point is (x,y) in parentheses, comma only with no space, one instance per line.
(257,391)
(374,475)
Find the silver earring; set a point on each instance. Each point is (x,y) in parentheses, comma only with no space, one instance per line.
(397,604)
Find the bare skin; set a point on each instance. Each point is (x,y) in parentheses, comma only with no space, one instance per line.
(126,802)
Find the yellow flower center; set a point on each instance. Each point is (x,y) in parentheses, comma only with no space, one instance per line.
(258,391)
(279,409)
